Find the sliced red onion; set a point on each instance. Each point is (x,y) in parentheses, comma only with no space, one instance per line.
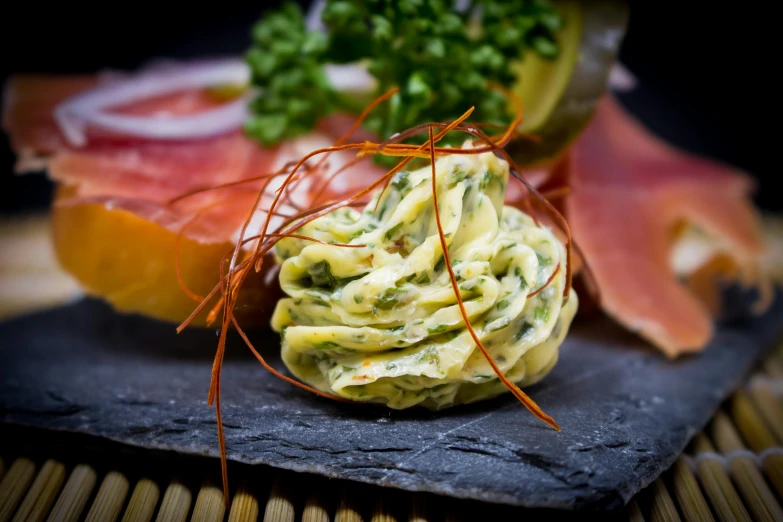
(350,77)
(621,79)
(89,108)
(313,17)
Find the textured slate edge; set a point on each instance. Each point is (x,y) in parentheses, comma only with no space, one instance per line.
(549,482)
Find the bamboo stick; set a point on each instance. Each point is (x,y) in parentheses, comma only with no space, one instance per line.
(175,505)
(686,490)
(143,501)
(717,485)
(244,506)
(743,470)
(382,510)
(759,438)
(634,513)
(757,495)
(73,498)
(14,485)
(769,406)
(42,494)
(346,509)
(724,435)
(418,511)
(210,505)
(662,508)
(110,498)
(749,423)
(773,365)
(280,505)
(772,465)
(315,509)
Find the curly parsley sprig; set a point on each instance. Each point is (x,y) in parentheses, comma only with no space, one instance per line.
(440,60)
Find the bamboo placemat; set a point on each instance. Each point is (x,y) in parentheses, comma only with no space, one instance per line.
(731,471)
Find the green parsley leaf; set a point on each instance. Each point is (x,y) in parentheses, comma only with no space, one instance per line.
(435,56)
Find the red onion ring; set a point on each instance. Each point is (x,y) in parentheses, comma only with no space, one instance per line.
(621,79)
(89,108)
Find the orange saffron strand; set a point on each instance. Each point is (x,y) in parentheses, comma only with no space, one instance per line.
(228,184)
(366,112)
(402,136)
(286,378)
(230,292)
(557,193)
(227,301)
(222,444)
(553,212)
(557,216)
(177,253)
(231,282)
(546,283)
(519,114)
(513,388)
(358,122)
(184,324)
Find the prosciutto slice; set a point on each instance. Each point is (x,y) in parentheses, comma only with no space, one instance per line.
(630,191)
(142,176)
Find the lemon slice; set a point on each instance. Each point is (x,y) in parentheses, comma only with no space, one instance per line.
(541,82)
(560,96)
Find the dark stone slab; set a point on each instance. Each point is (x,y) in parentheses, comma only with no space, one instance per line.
(626,412)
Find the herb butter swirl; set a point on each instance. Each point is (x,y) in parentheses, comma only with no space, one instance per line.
(380,323)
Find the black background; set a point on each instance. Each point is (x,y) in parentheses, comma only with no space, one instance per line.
(705,71)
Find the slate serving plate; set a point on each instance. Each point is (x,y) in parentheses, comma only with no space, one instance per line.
(625,411)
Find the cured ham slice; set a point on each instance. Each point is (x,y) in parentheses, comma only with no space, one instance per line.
(115,199)
(142,175)
(28,104)
(630,191)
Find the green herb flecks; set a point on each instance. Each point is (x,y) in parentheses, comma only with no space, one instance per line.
(321,274)
(541,313)
(497,324)
(457,175)
(522,280)
(523,331)
(286,61)
(393,231)
(423,47)
(401,182)
(543,260)
(440,265)
(437,329)
(428,355)
(389,298)
(326,345)
(450,336)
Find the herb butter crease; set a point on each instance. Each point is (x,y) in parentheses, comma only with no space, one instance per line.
(372,316)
